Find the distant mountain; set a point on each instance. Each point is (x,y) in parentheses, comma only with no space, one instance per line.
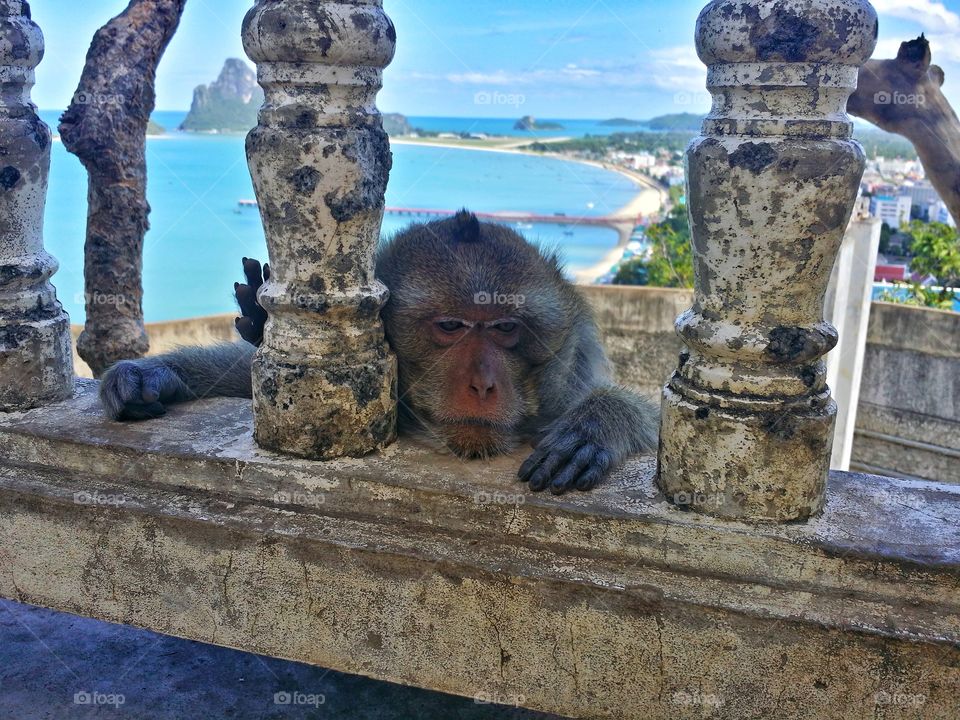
(622,122)
(676,121)
(230,104)
(528,122)
(397,124)
(155,129)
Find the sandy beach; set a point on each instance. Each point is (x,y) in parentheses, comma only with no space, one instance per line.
(649,200)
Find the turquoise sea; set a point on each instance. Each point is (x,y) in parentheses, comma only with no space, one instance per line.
(193,249)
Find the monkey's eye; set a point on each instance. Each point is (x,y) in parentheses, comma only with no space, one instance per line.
(451,326)
(506,327)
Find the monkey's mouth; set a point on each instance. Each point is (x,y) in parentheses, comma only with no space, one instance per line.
(477,438)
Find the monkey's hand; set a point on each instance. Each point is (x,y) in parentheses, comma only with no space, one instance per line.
(580,448)
(138,389)
(250,326)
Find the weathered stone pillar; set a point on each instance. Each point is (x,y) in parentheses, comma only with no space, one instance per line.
(324,380)
(36,364)
(747,418)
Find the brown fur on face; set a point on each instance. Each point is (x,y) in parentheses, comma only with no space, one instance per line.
(482,274)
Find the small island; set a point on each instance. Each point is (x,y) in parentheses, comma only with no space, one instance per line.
(397,125)
(622,122)
(154,129)
(228,105)
(530,123)
(676,121)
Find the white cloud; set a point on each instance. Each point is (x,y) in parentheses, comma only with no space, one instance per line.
(932,16)
(677,69)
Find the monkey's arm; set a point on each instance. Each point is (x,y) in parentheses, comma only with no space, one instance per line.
(590,439)
(140,389)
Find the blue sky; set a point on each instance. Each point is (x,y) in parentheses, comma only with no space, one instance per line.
(549,58)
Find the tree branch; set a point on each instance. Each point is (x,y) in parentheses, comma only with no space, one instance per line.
(903,96)
(105,126)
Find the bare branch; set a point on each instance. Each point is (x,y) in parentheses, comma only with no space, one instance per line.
(903,96)
(105,126)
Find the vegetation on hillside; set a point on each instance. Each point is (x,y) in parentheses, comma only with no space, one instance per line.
(875,143)
(935,251)
(677,121)
(671,260)
(598,146)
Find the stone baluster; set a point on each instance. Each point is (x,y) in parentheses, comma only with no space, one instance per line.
(324,380)
(747,417)
(36,362)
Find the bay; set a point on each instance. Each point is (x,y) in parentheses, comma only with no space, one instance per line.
(198,234)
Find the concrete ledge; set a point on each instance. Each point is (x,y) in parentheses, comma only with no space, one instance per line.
(421,569)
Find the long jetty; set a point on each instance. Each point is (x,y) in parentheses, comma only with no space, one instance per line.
(522,217)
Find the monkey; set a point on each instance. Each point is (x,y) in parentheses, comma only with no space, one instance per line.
(494,347)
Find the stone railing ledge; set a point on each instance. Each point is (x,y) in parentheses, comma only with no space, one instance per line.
(413,567)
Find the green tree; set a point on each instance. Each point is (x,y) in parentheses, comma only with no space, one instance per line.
(936,251)
(671,259)
(885,233)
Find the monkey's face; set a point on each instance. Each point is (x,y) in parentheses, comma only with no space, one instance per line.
(468,390)
(474,314)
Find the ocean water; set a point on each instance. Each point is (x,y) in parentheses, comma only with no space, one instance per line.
(197,236)
(504,126)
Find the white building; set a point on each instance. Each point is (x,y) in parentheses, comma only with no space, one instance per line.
(637,161)
(894,211)
(920,193)
(938,212)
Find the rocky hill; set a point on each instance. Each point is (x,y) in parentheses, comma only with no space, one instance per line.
(397,124)
(530,123)
(230,104)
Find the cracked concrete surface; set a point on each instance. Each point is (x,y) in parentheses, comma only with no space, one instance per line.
(609,604)
(47,657)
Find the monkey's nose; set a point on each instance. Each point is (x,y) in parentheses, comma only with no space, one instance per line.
(482,387)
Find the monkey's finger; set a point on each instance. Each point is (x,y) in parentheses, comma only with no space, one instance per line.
(147,411)
(152,387)
(596,472)
(249,331)
(530,464)
(569,473)
(246,299)
(560,449)
(253,273)
(543,474)
(128,382)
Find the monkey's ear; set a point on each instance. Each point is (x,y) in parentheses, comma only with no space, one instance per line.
(467,226)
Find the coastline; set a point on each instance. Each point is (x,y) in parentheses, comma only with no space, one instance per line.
(649,200)
(637,206)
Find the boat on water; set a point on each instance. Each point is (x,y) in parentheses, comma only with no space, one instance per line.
(247,204)
(524,226)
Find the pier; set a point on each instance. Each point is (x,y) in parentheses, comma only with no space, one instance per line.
(623,225)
